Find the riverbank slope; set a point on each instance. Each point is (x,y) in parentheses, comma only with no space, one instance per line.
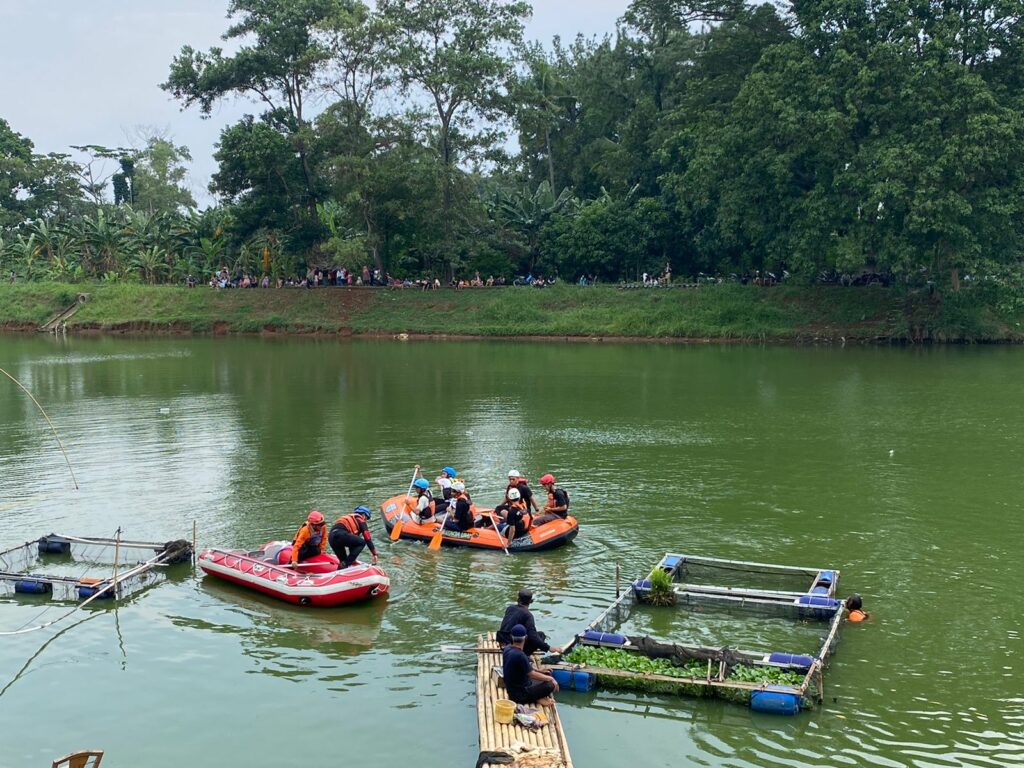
(718,312)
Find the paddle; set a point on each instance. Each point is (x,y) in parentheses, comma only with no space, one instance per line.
(396,531)
(501,538)
(468,649)
(435,543)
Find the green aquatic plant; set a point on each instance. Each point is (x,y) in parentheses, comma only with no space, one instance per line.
(661,592)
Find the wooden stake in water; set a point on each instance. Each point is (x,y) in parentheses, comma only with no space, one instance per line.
(117,557)
(617,574)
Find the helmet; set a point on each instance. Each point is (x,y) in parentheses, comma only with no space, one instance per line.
(458,486)
(525,596)
(448,471)
(421,483)
(315,518)
(514,473)
(547,479)
(364,510)
(513,494)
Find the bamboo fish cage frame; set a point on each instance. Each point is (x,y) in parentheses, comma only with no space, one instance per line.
(815,601)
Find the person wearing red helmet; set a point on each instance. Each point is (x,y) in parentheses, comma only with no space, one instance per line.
(557,506)
(311,538)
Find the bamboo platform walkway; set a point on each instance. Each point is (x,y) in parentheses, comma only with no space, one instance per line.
(544,748)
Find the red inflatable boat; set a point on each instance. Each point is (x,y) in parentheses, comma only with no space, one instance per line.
(316,581)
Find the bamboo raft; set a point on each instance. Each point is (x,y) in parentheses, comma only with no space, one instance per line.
(544,748)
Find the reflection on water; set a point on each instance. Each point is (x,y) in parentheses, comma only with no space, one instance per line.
(901,468)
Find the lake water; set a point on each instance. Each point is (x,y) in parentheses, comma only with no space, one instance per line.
(900,467)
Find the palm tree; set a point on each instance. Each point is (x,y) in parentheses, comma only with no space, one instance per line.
(525,213)
(104,244)
(151,263)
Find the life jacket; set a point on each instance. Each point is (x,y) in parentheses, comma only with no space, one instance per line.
(313,537)
(525,520)
(466,522)
(432,506)
(350,523)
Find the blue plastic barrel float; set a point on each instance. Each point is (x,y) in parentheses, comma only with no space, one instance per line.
(54,545)
(33,587)
(603,638)
(775,701)
(797,660)
(818,606)
(573,679)
(85,592)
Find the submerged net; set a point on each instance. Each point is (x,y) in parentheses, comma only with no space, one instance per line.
(72,568)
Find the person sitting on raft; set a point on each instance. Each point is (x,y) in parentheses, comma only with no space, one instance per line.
(519,615)
(351,533)
(557,507)
(523,683)
(460,516)
(516,522)
(518,482)
(444,482)
(310,540)
(855,606)
(424,503)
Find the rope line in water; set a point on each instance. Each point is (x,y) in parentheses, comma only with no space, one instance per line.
(52,428)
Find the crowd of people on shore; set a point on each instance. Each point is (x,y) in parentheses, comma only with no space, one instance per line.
(342,277)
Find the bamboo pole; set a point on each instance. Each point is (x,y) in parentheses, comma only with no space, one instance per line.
(117,557)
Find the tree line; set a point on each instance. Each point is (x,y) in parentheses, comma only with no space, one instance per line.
(427,137)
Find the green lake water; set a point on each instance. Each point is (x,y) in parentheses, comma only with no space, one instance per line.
(903,468)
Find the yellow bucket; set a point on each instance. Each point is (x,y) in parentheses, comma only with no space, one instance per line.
(504,710)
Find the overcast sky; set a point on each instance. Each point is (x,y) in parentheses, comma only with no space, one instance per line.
(79,72)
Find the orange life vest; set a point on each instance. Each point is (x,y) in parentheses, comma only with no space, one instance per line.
(350,523)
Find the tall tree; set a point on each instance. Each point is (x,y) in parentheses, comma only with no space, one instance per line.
(459,53)
(281,51)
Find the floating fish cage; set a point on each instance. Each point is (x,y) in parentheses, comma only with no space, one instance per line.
(128,566)
(772,681)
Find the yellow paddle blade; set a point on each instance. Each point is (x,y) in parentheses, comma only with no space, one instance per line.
(396,531)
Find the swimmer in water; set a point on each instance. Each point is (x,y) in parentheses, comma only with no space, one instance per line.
(855,606)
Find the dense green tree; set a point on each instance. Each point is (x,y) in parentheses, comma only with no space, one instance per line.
(459,54)
(280,53)
(159,176)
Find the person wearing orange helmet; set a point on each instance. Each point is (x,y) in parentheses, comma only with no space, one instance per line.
(557,506)
(311,538)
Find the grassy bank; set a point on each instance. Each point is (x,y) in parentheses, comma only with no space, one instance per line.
(726,312)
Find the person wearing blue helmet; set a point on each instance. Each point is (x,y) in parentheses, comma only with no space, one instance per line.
(424,504)
(349,535)
(445,480)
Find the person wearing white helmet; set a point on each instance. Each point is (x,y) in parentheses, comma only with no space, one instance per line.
(514,516)
(517,481)
(461,517)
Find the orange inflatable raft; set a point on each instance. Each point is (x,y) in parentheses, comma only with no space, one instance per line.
(540,537)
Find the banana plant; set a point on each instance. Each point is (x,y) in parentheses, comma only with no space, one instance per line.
(151,263)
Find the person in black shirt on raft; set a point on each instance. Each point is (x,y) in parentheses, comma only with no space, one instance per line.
(557,507)
(519,614)
(523,683)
